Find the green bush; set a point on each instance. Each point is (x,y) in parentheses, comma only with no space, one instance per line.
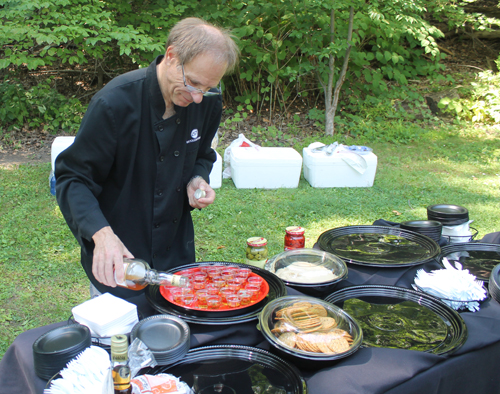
(36,107)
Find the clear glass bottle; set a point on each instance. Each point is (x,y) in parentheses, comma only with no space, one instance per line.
(120,370)
(138,274)
(294,238)
(256,251)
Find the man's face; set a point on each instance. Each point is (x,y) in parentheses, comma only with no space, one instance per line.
(203,72)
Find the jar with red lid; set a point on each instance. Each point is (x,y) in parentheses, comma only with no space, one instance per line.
(256,251)
(294,238)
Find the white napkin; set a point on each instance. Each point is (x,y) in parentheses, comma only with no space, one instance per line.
(106,315)
(452,283)
(89,372)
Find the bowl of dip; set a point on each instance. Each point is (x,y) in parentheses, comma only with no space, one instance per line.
(310,271)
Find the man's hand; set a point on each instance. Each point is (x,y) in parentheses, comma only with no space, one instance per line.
(200,183)
(109,252)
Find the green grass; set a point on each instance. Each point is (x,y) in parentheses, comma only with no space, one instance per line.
(39,259)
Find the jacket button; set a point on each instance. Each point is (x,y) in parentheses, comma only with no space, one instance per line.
(160,192)
(157,225)
(162,158)
(160,128)
(154,256)
(176,153)
(175,220)
(178,121)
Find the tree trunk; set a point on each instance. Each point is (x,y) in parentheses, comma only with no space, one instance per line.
(331,95)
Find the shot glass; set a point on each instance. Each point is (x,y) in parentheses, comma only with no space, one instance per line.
(202,296)
(227,274)
(255,280)
(226,292)
(254,291)
(212,289)
(214,302)
(233,284)
(233,300)
(243,273)
(218,282)
(176,293)
(198,284)
(245,297)
(188,299)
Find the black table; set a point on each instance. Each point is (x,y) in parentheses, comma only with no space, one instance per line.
(471,369)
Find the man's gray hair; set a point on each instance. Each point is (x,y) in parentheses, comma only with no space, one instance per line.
(191,37)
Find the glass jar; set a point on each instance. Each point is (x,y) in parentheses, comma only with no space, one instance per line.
(256,251)
(294,238)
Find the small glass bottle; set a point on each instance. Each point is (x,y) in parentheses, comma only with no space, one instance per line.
(120,370)
(138,274)
(256,251)
(294,238)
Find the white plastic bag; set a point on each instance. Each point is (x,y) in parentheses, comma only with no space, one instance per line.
(240,141)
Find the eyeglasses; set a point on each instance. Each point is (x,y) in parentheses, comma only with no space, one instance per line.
(192,89)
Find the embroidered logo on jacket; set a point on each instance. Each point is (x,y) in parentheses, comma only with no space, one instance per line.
(194,135)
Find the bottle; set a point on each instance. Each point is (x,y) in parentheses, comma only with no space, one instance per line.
(120,370)
(294,238)
(138,274)
(256,251)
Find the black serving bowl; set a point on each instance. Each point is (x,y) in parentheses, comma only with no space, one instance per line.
(310,271)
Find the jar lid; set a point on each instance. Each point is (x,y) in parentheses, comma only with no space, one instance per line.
(295,230)
(256,241)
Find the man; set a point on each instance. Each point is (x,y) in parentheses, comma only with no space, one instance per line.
(126,185)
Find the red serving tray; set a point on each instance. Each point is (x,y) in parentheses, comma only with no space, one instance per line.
(264,290)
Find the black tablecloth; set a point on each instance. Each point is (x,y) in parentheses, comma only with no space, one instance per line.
(471,369)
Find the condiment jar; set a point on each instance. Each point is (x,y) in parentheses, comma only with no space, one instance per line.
(294,238)
(256,251)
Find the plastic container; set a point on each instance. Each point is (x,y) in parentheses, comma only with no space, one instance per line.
(309,332)
(58,145)
(310,271)
(216,173)
(322,170)
(265,168)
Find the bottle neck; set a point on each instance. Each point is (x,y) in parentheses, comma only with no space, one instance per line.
(154,277)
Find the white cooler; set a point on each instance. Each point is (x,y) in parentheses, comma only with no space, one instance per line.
(58,145)
(265,168)
(216,173)
(321,170)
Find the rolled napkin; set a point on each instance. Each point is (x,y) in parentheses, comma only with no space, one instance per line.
(455,286)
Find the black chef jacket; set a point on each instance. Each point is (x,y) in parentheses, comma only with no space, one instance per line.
(129,168)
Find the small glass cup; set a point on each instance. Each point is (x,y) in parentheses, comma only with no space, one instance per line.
(227,274)
(200,276)
(255,280)
(218,282)
(233,300)
(233,284)
(245,297)
(214,302)
(212,289)
(198,284)
(213,271)
(188,299)
(254,291)
(225,292)
(244,272)
(176,293)
(202,295)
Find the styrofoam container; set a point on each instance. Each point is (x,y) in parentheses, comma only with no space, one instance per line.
(265,168)
(58,145)
(216,173)
(321,170)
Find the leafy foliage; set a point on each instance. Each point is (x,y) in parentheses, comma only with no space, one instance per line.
(38,106)
(480,101)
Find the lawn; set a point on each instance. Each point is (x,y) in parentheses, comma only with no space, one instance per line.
(39,259)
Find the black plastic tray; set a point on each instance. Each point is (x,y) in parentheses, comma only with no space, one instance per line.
(379,246)
(378,294)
